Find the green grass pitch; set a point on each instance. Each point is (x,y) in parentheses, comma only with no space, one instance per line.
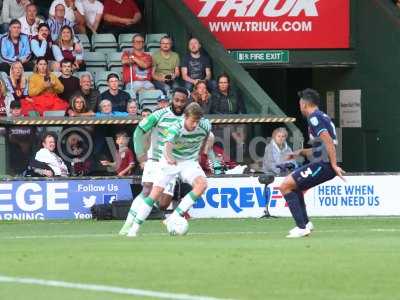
(345,258)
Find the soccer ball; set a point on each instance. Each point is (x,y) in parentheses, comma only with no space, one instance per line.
(177,226)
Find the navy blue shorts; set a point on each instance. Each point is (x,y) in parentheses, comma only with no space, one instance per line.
(312,174)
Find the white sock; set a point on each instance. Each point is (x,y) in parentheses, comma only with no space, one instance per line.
(133,210)
(144,208)
(186,203)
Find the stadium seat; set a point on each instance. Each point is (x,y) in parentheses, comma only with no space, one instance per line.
(125,40)
(104,42)
(131,93)
(149,98)
(102,88)
(114,62)
(95,61)
(153,40)
(83,38)
(101,78)
(28,74)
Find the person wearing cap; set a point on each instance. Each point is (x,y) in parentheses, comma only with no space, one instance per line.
(163,102)
(322,167)
(118,98)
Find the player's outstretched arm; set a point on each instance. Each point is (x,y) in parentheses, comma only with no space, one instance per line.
(330,147)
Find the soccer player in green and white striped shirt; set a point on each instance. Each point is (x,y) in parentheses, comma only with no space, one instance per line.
(157,124)
(183,143)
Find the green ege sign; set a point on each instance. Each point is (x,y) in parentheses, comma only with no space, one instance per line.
(261,56)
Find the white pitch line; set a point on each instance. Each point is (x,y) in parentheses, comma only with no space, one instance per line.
(103,288)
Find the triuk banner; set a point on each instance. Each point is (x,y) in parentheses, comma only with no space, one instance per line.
(276,24)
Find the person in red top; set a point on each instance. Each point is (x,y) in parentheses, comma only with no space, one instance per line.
(137,66)
(124,158)
(121,16)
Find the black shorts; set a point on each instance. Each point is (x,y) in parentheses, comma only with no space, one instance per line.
(312,174)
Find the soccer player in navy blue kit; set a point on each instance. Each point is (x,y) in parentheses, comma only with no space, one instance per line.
(322,167)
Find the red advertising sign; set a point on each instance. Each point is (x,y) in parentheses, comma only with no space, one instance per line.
(276,24)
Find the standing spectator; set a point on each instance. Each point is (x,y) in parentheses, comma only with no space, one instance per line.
(58,21)
(106,110)
(92,96)
(121,16)
(41,46)
(74,13)
(201,95)
(70,83)
(93,14)
(132,108)
(30,21)
(196,66)
(43,88)
(118,98)
(17,83)
(136,66)
(67,47)
(12,9)
(79,107)
(165,66)
(15,46)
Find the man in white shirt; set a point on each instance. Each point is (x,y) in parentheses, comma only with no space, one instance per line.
(74,12)
(30,21)
(93,10)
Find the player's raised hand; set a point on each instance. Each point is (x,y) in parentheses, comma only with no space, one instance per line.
(339,172)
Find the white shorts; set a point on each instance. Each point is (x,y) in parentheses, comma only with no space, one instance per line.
(150,172)
(187,170)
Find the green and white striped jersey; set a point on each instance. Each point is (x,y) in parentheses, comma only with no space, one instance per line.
(187,144)
(158,123)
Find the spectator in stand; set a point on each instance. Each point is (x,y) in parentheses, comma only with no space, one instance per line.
(68,48)
(92,96)
(196,66)
(124,158)
(136,66)
(17,83)
(132,108)
(58,21)
(201,95)
(121,16)
(47,155)
(15,47)
(41,46)
(118,98)
(165,66)
(163,102)
(43,88)
(145,113)
(12,9)
(4,101)
(276,153)
(30,21)
(74,13)
(70,83)
(79,107)
(93,14)
(106,110)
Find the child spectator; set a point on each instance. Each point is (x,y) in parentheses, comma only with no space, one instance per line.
(145,113)
(124,158)
(68,48)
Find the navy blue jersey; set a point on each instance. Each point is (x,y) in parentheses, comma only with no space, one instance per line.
(319,122)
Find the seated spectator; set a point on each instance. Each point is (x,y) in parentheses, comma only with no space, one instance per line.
(136,66)
(15,109)
(196,66)
(4,101)
(276,153)
(41,46)
(12,9)
(74,13)
(47,155)
(68,48)
(224,100)
(124,158)
(201,96)
(17,83)
(58,21)
(91,95)
(93,14)
(30,21)
(165,66)
(70,83)
(145,113)
(132,108)
(118,98)
(43,89)
(163,102)
(121,16)
(78,107)
(106,110)
(15,46)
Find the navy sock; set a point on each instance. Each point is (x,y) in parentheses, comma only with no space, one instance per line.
(300,195)
(295,209)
